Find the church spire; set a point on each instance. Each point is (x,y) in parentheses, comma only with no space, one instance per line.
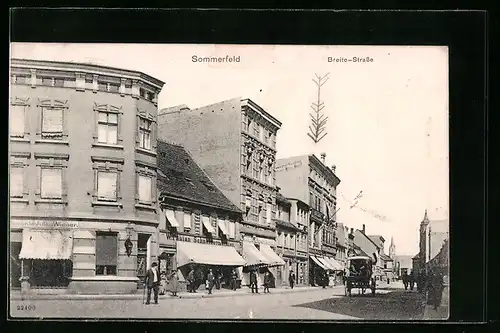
(426,218)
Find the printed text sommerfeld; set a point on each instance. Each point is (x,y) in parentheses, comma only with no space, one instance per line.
(227,58)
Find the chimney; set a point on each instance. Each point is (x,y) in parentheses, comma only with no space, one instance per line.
(352,231)
(323,157)
(334,167)
(364,229)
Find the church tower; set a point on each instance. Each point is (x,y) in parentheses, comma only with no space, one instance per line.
(392,249)
(423,238)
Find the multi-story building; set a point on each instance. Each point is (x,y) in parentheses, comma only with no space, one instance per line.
(83,201)
(198,223)
(308,179)
(234,141)
(291,239)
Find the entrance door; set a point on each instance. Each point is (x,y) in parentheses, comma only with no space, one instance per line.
(142,255)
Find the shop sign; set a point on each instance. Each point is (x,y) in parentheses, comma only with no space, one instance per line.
(41,224)
(289,165)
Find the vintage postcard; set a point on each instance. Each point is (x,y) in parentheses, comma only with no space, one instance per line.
(228,182)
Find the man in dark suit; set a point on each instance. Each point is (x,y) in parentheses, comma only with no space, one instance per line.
(152,281)
(253,282)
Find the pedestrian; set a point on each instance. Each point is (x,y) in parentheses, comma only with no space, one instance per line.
(325,279)
(218,279)
(174,283)
(190,281)
(404,277)
(267,282)
(152,282)
(291,279)
(210,281)
(412,279)
(253,282)
(234,276)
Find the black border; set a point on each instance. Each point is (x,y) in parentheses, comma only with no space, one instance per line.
(465,32)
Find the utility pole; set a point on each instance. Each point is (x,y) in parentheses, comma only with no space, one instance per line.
(318,119)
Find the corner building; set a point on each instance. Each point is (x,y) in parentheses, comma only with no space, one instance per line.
(234,142)
(83,200)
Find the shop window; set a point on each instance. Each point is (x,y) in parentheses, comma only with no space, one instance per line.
(106,253)
(107,128)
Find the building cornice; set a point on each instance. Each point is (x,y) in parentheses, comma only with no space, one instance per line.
(86,68)
(255,107)
(326,171)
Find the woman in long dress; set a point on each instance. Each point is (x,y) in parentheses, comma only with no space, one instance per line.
(174,283)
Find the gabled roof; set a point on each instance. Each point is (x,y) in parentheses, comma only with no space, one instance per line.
(385,257)
(179,177)
(367,237)
(377,240)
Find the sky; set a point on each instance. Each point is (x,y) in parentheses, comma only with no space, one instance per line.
(387,119)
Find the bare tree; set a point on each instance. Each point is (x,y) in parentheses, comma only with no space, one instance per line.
(318,119)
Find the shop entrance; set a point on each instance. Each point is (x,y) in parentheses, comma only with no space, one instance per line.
(142,257)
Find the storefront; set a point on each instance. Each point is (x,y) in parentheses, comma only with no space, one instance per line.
(46,258)
(317,271)
(221,259)
(262,258)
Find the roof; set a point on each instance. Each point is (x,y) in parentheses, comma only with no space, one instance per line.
(286,224)
(367,237)
(385,257)
(280,198)
(377,239)
(417,256)
(181,178)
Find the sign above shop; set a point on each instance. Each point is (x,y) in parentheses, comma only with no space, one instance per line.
(41,224)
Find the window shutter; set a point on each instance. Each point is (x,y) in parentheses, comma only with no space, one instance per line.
(154,130)
(106,249)
(17,120)
(52,121)
(163,220)
(187,220)
(137,130)
(16,182)
(107,185)
(145,188)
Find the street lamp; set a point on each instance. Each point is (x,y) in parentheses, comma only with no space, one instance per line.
(128,243)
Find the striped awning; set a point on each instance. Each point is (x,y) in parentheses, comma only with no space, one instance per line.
(326,263)
(252,255)
(47,244)
(319,263)
(222,227)
(208,254)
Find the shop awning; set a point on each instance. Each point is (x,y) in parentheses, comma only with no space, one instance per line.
(207,224)
(47,244)
(207,254)
(171,218)
(222,227)
(319,263)
(337,265)
(272,257)
(326,263)
(253,256)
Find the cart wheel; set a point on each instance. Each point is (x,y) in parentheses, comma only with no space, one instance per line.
(363,290)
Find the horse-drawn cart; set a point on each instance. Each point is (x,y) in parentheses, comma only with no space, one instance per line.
(359,274)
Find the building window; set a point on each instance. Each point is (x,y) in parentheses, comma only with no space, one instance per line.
(262,173)
(51,183)
(52,123)
(106,253)
(17,120)
(145,133)
(107,128)
(269,212)
(107,183)
(16,182)
(144,184)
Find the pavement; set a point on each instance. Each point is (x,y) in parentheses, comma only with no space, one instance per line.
(391,302)
(16,295)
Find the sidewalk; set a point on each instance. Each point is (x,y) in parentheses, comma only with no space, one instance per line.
(16,295)
(442,311)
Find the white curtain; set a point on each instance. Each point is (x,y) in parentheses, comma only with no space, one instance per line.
(52,120)
(51,184)
(16,182)
(106,185)
(16,120)
(145,188)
